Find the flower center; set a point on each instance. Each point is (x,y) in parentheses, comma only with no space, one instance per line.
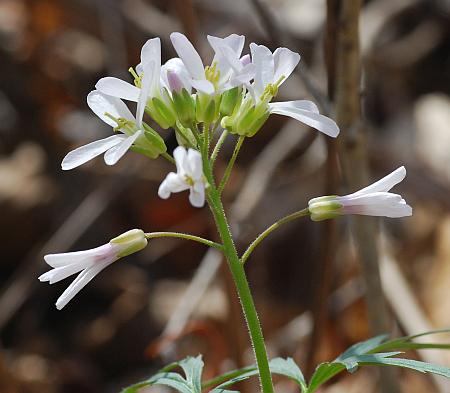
(125,125)
(271,89)
(189,180)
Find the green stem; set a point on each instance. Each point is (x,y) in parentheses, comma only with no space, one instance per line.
(230,165)
(218,146)
(268,231)
(168,157)
(198,239)
(240,279)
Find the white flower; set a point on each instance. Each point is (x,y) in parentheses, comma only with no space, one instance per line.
(189,176)
(220,75)
(90,262)
(374,200)
(112,111)
(272,69)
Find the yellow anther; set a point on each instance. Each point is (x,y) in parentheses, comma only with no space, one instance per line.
(189,180)
(137,78)
(212,74)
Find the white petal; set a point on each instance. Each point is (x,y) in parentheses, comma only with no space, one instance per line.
(233,41)
(117,152)
(312,119)
(194,161)
(265,67)
(148,80)
(285,61)
(87,152)
(172,183)
(68,258)
(101,103)
(116,87)
(189,55)
(79,283)
(180,156)
(151,51)
(373,198)
(204,86)
(197,195)
(298,104)
(63,272)
(386,183)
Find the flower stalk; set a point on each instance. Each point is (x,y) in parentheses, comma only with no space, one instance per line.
(240,280)
(269,230)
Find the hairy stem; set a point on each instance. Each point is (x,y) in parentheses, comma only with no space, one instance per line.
(240,279)
(186,236)
(269,230)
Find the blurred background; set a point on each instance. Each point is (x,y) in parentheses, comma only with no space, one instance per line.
(175,298)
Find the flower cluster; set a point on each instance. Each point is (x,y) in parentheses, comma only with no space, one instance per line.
(235,91)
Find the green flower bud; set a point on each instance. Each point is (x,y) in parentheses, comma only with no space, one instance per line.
(207,108)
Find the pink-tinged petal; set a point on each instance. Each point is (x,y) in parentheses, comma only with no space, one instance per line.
(245,60)
(312,119)
(117,152)
(285,61)
(265,67)
(197,194)
(386,183)
(189,55)
(116,87)
(203,86)
(101,104)
(80,282)
(87,152)
(176,65)
(67,258)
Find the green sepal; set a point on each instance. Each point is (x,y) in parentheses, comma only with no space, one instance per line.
(184,106)
(163,114)
(324,208)
(185,136)
(229,101)
(130,242)
(151,145)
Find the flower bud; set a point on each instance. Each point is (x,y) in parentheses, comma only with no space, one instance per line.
(207,108)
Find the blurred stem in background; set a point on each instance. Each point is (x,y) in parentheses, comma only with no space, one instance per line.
(354,159)
(328,229)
